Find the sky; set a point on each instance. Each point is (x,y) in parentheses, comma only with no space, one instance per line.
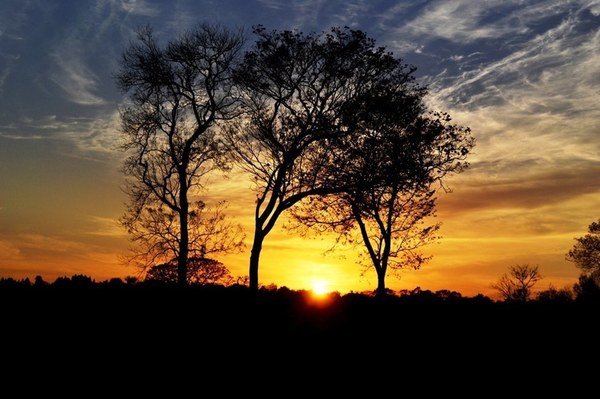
(523,75)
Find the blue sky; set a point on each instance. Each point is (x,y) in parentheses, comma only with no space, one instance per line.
(524,75)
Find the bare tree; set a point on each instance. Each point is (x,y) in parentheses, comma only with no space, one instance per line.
(518,283)
(306,95)
(177,94)
(585,254)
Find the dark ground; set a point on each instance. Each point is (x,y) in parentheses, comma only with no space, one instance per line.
(150,330)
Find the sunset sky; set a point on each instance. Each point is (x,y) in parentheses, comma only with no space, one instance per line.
(524,75)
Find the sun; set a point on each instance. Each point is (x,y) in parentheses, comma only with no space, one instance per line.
(320,287)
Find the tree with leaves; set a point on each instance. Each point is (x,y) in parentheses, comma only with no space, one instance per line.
(200,271)
(585,254)
(517,285)
(399,155)
(306,95)
(177,95)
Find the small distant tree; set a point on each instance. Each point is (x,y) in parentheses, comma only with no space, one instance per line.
(517,285)
(200,271)
(586,252)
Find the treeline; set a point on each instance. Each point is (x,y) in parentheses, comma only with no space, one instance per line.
(585,291)
(121,323)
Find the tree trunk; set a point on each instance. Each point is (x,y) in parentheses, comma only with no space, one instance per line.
(254,258)
(381,290)
(184,240)
(183,251)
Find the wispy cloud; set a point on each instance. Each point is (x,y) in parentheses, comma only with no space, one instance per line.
(535,108)
(273,4)
(466,21)
(536,65)
(9,251)
(458,20)
(351,13)
(75,78)
(135,7)
(50,243)
(96,134)
(21,137)
(106,227)
(542,186)
(9,27)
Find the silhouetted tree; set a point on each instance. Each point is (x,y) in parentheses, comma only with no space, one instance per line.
(518,283)
(586,252)
(177,94)
(307,95)
(200,271)
(554,295)
(587,289)
(399,155)
(156,233)
(131,280)
(39,282)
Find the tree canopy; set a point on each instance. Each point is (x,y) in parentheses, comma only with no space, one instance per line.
(585,254)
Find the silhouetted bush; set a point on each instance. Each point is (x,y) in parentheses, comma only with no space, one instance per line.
(587,289)
(554,295)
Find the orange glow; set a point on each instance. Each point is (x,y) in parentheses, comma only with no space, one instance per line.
(320,288)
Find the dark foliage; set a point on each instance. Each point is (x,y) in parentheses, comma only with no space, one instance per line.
(200,271)
(585,254)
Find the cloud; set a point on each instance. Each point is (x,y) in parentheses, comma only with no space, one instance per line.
(98,134)
(106,227)
(466,21)
(534,114)
(135,7)
(21,136)
(50,243)
(351,12)
(550,62)
(72,75)
(94,138)
(525,191)
(10,62)
(9,251)
(459,20)
(305,15)
(8,37)
(273,4)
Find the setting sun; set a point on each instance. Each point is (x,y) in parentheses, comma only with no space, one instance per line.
(320,287)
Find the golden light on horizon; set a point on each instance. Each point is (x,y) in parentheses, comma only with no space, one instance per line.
(320,288)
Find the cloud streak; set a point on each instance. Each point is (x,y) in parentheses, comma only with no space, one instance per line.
(535,190)
(74,77)
(92,137)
